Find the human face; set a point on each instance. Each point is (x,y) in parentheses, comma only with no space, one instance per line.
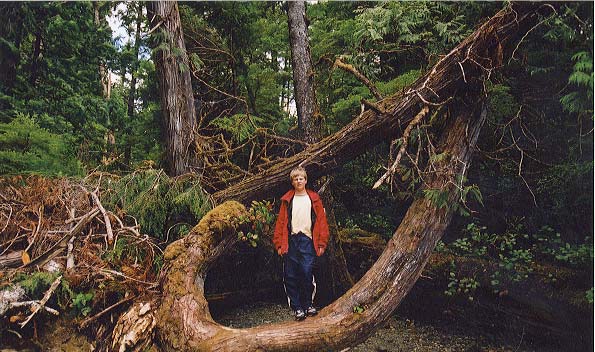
(299,183)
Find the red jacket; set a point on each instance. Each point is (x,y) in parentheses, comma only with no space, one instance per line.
(319,224)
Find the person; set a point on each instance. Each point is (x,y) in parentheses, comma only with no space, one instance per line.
(301,234)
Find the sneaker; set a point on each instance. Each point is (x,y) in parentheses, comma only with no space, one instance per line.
(311,311)
(300,315)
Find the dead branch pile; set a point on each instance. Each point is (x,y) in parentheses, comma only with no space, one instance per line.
(61,225)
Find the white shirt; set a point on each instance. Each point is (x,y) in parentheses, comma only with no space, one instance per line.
(301,210)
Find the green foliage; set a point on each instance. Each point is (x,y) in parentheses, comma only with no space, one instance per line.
(240,126)
(510,256)
(159,203)
(25,147)
(581,99)
(36,283)
(460,286)
(440,198)
(399,83)
(259,220)
(359,309)
(81,303)
(510,262)
(438,25)
(589,295)
(126,251)
(502,104)
(549,243)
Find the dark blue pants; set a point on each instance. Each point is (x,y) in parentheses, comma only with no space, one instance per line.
(297,272)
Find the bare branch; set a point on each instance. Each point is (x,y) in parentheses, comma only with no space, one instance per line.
(416,120)
(43,301)
(350,68)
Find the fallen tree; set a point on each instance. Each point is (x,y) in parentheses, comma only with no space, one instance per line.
(467,66)
(180,316)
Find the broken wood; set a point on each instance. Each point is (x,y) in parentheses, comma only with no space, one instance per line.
(43,301)
(35,305)
(89,320)
(11,260)
(62,243)
(108,223)
(135,328)
(351,69)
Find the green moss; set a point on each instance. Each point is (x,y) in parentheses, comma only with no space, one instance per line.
(36,283)
(173,250)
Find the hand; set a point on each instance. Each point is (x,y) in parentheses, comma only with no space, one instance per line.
(320,251)
(280,251)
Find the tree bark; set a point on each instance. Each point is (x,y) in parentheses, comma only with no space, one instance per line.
(11,260)
(104,76)
(133,75)
(35,56)
(183,319)
(309,122)
(133,71)
(177,100)
(332,274)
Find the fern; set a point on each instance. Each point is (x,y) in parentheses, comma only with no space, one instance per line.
(25,147)
(159,202)
(239,126)
(581,99)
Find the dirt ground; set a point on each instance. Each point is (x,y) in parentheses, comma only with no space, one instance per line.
(450,333)
(399,334)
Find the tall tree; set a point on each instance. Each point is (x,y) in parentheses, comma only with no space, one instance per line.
(135,59)
(103,72)
(177,99)
(335,277)
(309,122)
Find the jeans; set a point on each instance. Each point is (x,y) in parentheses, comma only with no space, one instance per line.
(299,282)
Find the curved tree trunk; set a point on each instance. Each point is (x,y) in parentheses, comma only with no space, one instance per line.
(183,321)
(177,99)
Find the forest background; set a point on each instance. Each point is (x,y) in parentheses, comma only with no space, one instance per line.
(75,103)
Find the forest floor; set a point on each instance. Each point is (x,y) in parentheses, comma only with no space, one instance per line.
(428,320)
(398,334)
(423,322)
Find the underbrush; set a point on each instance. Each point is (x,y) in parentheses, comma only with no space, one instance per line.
(501,260)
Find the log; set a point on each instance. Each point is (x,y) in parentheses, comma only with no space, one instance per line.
(11,260)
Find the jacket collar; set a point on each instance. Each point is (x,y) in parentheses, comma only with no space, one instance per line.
(287,196)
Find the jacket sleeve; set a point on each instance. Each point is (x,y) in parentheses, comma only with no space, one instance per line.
(324,231)
(280,225)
